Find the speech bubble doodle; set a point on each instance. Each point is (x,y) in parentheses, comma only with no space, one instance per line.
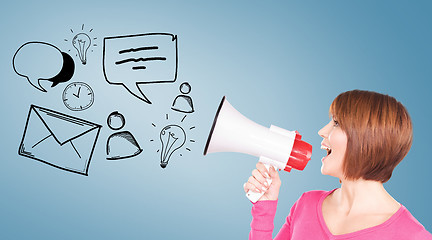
(140,59)
(38,61)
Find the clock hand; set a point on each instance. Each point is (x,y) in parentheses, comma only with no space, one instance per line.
(77,95)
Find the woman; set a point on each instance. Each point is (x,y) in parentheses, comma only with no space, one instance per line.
(368,135)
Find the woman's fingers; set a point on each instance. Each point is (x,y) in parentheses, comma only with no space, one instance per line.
(275,177)
(273,173)
(263,170)
(259,176)
(250,187)
(257,182)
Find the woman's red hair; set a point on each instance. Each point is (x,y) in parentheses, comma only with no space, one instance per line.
(379,133)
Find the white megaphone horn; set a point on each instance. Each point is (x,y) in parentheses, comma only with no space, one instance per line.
(233,132)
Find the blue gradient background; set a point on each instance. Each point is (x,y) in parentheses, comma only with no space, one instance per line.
(278,63)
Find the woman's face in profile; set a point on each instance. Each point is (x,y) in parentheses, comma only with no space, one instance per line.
(335,143)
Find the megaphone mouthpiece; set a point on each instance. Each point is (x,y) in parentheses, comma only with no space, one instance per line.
(300,155)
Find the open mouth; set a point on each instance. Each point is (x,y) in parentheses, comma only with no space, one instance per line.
(327,149)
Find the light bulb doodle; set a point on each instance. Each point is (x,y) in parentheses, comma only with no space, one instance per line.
(172,138)
(81,43)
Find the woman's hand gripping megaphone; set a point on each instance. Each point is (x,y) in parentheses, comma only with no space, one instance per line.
(299,157)
(264,183)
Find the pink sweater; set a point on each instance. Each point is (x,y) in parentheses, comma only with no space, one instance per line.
(306,221)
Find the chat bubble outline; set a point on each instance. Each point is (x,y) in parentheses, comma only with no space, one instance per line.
(133,85)
(64,72)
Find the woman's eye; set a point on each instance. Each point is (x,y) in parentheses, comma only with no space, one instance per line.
(335,123)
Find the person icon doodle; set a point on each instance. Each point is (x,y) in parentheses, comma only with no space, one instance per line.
(183,103)
(120,145)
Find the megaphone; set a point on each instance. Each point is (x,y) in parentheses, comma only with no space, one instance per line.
(274,146)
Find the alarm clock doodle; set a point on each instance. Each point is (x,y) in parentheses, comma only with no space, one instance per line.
(78,96)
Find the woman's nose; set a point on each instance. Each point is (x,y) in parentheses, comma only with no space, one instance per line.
(323,132)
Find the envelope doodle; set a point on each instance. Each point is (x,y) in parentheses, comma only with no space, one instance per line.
(59,140)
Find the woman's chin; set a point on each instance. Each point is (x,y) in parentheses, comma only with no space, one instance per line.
(323,171)
(328,172)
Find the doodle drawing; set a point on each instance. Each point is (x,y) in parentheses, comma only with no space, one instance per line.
(78,96)
(120,145)
(183,103)
(140,59)
(172,138)
(59,140)
(82,42)
(39,61)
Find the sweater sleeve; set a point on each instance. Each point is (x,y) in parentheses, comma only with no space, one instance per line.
(263,213)
(285,231)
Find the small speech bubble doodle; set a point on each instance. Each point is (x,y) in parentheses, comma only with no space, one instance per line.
(140,59)
(39,61)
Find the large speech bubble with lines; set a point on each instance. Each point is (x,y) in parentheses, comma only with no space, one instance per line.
(140,59)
